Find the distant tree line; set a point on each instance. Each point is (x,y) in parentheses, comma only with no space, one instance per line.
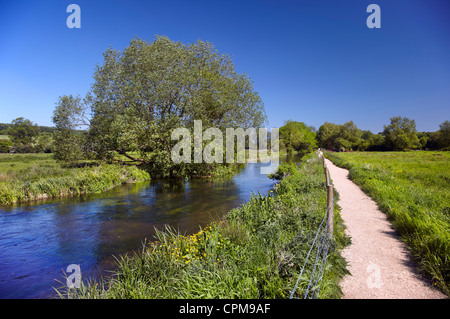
(23,136)
(399,135)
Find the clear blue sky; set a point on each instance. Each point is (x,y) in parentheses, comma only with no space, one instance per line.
(310,60)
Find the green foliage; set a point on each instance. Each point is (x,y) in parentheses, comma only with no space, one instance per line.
(5,145)
(327,134)
(23,137)
(372,142)
(339,137)
(43,129)
(412,188)
(39,176)
(296,136)
(444,131)
(22,131)
(44,143)
(401,134)
(69,142)
(256,251)
(36,143)
(284,170)
(439,139)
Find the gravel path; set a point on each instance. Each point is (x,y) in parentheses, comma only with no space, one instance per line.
(379,261)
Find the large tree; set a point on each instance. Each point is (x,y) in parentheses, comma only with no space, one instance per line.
(22,132)
(336,137)
(401,134)
(72,122)
(141,94)
(296,136)
(327,134)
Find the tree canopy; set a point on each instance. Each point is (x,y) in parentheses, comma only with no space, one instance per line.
(339,137)
(401,134)
(22,131)
(69,138)
(297,136)
(141,94)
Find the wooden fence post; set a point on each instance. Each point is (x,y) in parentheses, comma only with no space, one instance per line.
(330,210)
(327,174)
(330,202)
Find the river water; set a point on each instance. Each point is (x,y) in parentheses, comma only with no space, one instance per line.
(39,240)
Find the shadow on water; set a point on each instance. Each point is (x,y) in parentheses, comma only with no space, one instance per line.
(39,240)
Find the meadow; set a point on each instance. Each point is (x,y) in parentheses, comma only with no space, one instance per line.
(25,177)
(255,251)
(413,189)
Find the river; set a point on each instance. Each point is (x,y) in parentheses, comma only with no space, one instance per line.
(39,240)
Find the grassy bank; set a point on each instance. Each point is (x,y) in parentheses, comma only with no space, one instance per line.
(412,188)
(255,251)
(25,177)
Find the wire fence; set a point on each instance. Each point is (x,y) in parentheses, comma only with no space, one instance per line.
(316,258)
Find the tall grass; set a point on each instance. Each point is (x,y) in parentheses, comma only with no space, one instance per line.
(25,177)
(255,251)
(413,189)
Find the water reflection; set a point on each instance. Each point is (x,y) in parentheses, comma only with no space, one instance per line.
(39,240)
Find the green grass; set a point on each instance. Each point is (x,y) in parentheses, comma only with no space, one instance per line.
(255,251)
(25,177)
(4,137)
(413,189)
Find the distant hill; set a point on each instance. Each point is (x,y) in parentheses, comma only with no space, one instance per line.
(4,128)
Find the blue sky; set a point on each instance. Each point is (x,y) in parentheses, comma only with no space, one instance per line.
(310,60)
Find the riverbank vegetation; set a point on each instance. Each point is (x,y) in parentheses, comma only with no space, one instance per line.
(412,188)
(25,177)
(255,251)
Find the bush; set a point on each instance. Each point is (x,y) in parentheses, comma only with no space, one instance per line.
(284,170)
(5,145)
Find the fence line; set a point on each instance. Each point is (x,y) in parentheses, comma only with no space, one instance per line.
(321,243)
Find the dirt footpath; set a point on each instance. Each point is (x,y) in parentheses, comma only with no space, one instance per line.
(379,263)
